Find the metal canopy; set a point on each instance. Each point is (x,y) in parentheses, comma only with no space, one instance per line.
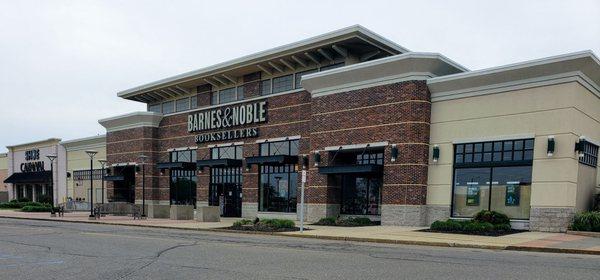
(177,165)
(272,160)
(30,177)
(224,162)
(351,169)
(114,178)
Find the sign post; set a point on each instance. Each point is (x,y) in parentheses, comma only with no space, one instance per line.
(302,201)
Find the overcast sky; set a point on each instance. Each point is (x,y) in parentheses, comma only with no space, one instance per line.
(62,62)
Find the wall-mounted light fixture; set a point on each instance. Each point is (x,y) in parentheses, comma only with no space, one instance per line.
(137,170)
(551,146)
(436,153)
(394,153)
(304,162)
(248,167)
(162,172)
(580,146)
(317,158)
(200,170)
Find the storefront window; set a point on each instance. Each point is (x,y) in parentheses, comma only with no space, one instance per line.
(225,189)
(278,183)
(183,182)
(360,193)
(494,176)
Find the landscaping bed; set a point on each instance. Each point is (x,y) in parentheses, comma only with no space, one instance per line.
(347,222)
(26,206)
(486,223)
(587,221)
(264,225)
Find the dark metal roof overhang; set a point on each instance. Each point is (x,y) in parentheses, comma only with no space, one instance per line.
(351,169)
(177,165)
(114,178)
(272,160)
(29,177)
(223,162)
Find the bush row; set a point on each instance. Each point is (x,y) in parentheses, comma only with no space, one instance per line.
(346,222)
(587,221)
(14,204)
(41,208)
(264,224)
(468,226)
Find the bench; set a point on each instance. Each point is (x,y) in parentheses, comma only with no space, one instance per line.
(118,209)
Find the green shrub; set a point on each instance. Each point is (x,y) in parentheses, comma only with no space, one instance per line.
(448,225)
(478,227)
(328,221)
(11,205)
(492,217)
(23,199)
(354,222)
(45,199)
(242,223)
(45,208)
(277,223)
(587,221)
(502,227)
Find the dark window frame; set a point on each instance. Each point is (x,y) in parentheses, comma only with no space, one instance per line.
(590,154)
(189,155)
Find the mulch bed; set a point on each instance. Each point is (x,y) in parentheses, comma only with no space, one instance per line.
(489,233)
(262,229)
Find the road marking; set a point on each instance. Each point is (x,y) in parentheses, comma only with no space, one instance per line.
(33,263)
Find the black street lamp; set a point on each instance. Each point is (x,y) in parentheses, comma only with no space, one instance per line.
(91,154)
(143,162)
(52,158)
(102,163)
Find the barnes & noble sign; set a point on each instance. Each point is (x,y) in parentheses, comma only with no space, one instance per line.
(225,118)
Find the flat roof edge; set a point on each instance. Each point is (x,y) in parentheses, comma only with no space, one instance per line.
(34,142)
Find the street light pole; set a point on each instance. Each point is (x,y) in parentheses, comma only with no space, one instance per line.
(52,158)
(143,161)
(91,154)
(102,163)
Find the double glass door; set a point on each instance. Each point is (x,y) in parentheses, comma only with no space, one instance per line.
(503,189)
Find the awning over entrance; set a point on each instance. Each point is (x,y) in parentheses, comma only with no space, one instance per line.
(30,177)
(272,160)
(351,169)
(177,165)
(223,162)
(114,178)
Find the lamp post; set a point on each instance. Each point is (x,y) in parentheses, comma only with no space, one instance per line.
(142,159)
(102,163)
(52,158)
(91,154)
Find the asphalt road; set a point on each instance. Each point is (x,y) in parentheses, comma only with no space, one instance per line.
(55,250)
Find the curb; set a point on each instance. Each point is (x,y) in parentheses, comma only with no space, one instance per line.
(347,238)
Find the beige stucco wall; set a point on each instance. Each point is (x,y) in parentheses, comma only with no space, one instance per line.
(77,159)
(3,174)
(563,110)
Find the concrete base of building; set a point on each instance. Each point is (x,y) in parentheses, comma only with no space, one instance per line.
(158,211)
(249,210)
(182,212)
(314,212)
(403,215)
(437,213)
(551,219)
(208,214)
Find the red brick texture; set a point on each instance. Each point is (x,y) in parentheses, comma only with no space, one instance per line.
(397,113)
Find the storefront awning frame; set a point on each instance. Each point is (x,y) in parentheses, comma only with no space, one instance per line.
(352,169)
(272,160)
(223,162)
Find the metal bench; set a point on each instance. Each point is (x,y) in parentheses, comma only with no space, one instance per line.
(118,209)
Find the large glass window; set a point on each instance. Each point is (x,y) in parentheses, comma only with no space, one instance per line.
(278,184)
(182,104)
(265,87)
(299,75)
(225,187)
(494,175)
(194,102)
(156,108)
(283,83)
(361,195)
(168,107)
(231,152)
(183,182)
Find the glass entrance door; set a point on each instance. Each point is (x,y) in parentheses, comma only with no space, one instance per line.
(226,190)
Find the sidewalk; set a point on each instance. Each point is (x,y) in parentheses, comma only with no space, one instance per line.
(526,241)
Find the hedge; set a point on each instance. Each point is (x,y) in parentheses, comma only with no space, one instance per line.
(587,221)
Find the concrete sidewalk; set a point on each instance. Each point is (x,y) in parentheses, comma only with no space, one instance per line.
(526,241)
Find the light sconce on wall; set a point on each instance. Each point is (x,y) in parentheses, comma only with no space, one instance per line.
(394,153)
(200,170)
(162,172)
(248,167)
(304,162)
(551,146)
(317,158)
(436,153)
(580,147)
